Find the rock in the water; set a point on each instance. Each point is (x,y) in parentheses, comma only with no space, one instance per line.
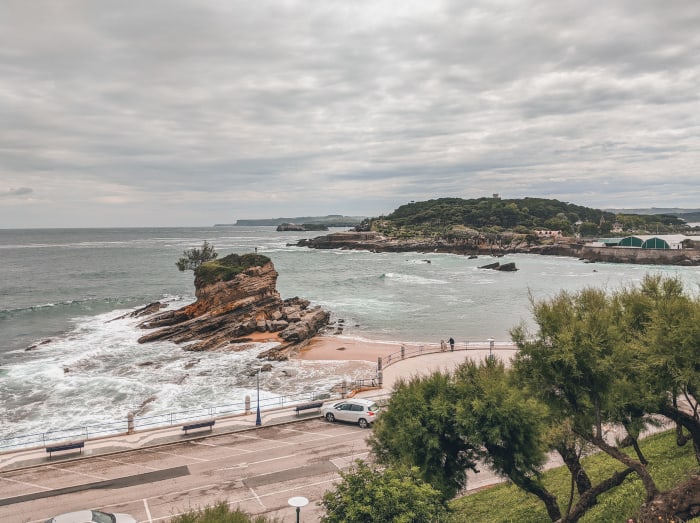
(230,307)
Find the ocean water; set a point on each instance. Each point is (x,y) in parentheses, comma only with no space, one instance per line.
(67,358)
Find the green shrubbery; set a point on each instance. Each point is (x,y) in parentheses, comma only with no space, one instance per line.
(228,267)
(220,513)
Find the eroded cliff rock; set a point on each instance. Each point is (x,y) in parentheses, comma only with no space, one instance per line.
(235,301)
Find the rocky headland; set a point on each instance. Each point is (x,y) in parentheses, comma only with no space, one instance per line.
(237,303)
(478,245)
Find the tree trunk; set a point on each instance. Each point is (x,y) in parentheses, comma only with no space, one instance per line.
(571,459)
(691,423)
(590,497)
(533,487)
(641,470)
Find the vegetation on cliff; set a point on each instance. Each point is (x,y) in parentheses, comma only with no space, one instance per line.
(226,268)
(454,217)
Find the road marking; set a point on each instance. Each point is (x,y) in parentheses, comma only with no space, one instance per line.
(258,498)
(26,483)
(148,512)
(233,504)
(174,455)
(344,461)
(95,476)
(126,463)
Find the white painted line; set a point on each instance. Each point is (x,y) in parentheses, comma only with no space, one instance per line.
(175,455)
(26,483)
(258,498)
(94,476)
(148,512)
(126,463)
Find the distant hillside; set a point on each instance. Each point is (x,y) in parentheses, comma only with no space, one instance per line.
(444,216)
(331,220)
(689,215)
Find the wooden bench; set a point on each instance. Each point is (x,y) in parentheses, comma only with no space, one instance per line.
(307,406)
(199,425)
(69,445)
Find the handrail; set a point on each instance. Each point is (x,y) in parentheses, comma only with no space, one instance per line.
(102,429)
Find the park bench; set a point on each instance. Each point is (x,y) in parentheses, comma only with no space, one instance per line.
(69,445)
(199,425)
(307,406)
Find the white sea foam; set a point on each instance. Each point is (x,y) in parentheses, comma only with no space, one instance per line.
(412,279)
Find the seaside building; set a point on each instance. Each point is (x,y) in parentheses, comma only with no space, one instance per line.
(664,241)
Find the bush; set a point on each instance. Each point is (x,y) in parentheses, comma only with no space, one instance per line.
(226,268)
(220,513)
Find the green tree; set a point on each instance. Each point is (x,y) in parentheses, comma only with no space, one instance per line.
(367,494)
(193,258)
(588,229)
(579,361)
(665,325)
(419,428)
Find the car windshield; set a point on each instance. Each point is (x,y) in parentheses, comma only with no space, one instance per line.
(102,517)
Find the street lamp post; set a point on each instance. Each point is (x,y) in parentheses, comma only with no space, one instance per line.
(298,502)
(258,421)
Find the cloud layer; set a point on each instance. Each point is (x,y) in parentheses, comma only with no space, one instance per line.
(193,112)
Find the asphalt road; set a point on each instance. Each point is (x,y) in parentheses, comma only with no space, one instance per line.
(256,470)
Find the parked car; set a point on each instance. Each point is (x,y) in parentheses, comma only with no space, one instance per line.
(357,410)
(92,516)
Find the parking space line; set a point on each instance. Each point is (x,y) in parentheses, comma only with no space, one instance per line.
(258,498)
(148,511)
(94,476)
(26,483)
(175,455)
(126,463)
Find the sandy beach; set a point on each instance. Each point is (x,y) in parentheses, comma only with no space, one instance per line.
(341,348)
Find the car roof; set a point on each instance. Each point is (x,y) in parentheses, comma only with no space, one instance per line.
(80,516)
(361,401)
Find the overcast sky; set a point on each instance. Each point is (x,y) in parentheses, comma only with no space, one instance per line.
(195,112)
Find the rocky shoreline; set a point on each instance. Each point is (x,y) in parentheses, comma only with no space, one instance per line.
(230,314)
(375,242)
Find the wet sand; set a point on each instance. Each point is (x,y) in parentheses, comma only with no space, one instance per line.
(340,348)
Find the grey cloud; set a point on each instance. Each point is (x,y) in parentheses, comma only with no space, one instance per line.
(18,192)
(182,97)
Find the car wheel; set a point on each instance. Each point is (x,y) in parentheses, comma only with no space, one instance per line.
(330,417)
(362,422)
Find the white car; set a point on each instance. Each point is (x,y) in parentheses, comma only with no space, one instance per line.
(92,516)
(360,411)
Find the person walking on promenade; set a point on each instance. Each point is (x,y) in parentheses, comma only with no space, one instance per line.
(452,344)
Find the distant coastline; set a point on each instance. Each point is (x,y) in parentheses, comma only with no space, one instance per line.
(331,220)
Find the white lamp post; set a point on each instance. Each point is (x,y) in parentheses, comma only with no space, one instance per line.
(298,502)
(258,421)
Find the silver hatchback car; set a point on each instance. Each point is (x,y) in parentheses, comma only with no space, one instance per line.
(92,516)
(360,411)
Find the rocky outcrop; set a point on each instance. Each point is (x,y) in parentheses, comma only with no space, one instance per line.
(302,227)
(229,310)
(506,267)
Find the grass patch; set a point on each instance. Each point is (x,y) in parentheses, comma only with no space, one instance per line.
(220,513)
(226,268)
(669,466)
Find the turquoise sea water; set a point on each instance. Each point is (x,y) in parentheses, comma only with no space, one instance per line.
(61,290)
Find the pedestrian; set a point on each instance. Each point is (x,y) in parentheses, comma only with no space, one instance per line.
(452,344)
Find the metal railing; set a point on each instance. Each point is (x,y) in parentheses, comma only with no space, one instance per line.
(102,429)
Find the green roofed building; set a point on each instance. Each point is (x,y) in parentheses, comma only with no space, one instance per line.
(664,241)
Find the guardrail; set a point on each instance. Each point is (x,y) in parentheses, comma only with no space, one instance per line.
(97,430)
(413,351)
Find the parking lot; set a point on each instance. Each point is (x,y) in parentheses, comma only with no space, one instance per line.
(256,470)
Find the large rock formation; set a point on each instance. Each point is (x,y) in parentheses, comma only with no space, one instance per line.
(236,298)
